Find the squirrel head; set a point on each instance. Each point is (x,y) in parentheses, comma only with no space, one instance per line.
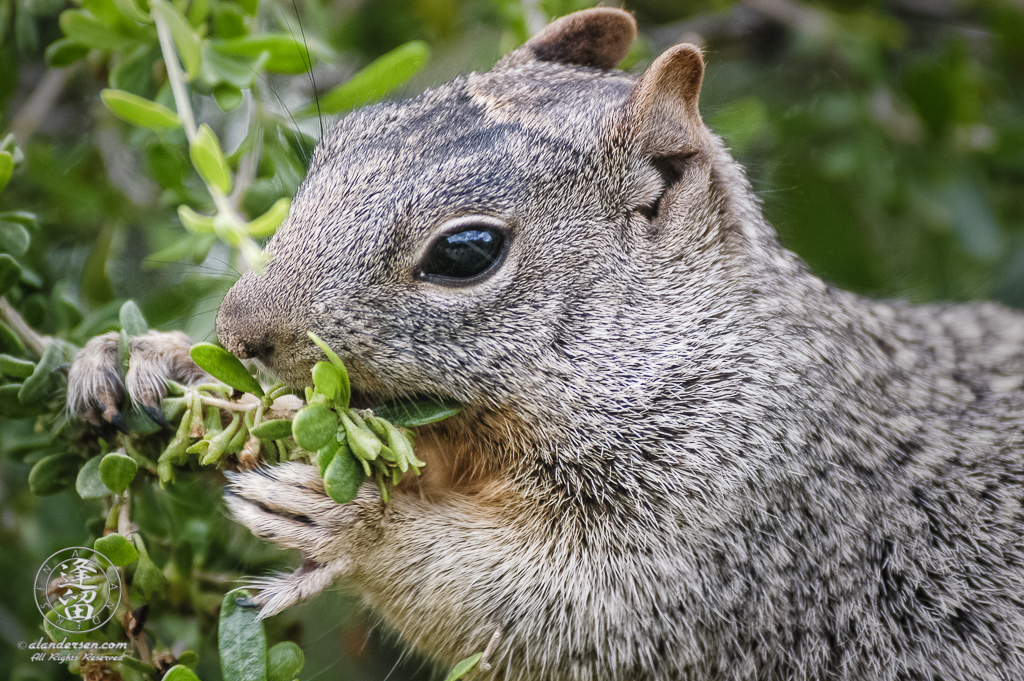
(492,239)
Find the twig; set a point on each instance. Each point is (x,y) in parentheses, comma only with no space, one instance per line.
(225,404)
(247,251)
(39,103)
(124,528)
(485,659)
(22,330)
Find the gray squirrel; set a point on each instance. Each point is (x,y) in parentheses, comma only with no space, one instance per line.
(682,455)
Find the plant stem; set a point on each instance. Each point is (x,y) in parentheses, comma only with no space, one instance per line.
(176,78)
(22,330)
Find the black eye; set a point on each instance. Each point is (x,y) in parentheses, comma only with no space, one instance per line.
(466,253)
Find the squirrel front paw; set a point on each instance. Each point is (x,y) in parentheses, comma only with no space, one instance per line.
(95,389)
(287,504)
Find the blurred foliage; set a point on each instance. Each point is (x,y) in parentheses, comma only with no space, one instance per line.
(886,139)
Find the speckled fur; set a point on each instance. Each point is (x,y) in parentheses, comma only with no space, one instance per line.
(683,456)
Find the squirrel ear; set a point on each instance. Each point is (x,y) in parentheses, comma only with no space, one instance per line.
(662,108)
(599,37)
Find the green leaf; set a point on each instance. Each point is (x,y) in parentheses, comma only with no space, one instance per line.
(148,578)
(41,384)
(189,658)
(325,455)
(53,474)
(10,406)
(463,667)
(284,661)
(275,429)
(130,10)
(14,238)
(327,380)
(242,642)
(266,224)
(132,320)
(219,66)
(10,273)
(133,71)
(6,168)
(209,161)
(180,672)
(343,477)
(413,413)
(183,34)
(363,443)
(345,393)
(374,81)
(15,367)
(89,483)
(314,426)
(117,549)
(194,222)
(225,367)
(21,217)
(228,97)
(9,341)
(118,471)
(139,110)
(89,31)
(285,54)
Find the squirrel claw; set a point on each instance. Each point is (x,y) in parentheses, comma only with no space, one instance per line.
(280,592)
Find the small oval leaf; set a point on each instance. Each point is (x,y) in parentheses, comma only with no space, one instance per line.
(41,384)
(285,54)
(284,661)
(17,368)
(53,474)
(139,111)
(89,484)
(180,672)
(117,471)
(275,429)
(346,388)
(375,80)
(87,30)
(225,367)
(132,320)
(327,380)
(64,52)
(343,477)
(208,159)
(117,549)
(14,238)
(242,642)
(10,273)
(463,667)
(413,413)
(266,224)
(314,426)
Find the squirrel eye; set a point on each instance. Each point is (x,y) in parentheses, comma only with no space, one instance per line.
(464,254)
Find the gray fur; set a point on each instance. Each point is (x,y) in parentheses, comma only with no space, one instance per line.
(683,456)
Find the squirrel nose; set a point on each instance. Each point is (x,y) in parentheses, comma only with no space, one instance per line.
(245,329)
(247,349)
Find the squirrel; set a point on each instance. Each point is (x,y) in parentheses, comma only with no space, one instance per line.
(681,456)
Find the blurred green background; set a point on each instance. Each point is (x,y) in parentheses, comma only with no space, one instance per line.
(885,138)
